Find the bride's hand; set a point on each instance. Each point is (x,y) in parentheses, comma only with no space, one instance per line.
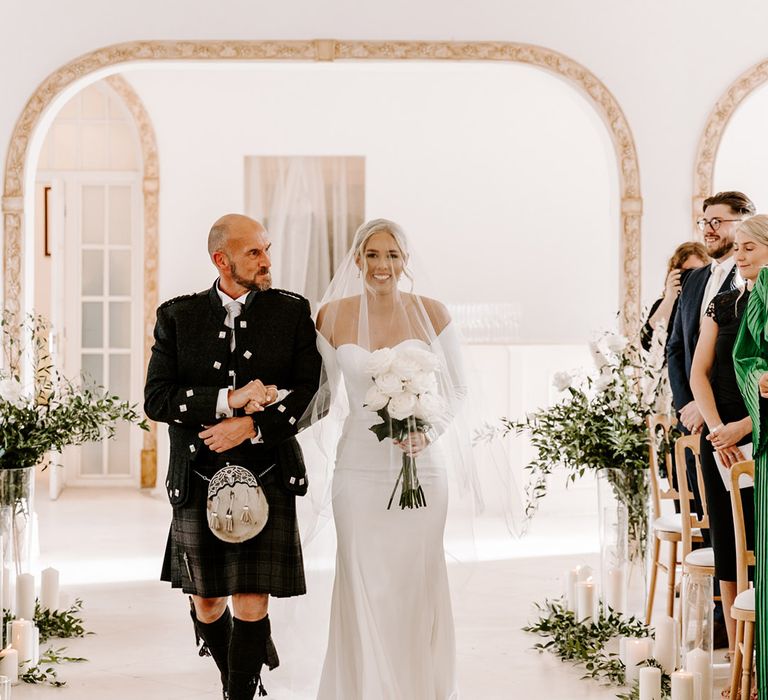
(413,444)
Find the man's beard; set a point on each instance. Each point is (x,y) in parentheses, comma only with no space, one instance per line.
(253,285)
(723,249)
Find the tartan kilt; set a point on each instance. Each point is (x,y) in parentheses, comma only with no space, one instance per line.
(270,563)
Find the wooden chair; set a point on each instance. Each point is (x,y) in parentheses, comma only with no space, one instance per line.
(702,560)
(664,528)
(743,609)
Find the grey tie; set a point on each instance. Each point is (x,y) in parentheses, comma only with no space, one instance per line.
(233,311)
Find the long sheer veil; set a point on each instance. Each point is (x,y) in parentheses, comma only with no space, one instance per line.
(378,312)
(379,301)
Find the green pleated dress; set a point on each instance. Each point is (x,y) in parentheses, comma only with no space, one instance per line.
(750,357)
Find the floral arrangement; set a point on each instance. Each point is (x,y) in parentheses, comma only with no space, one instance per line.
(49,412)
(599,424)
(404,395)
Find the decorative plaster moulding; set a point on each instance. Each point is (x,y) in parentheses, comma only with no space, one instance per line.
(108,57)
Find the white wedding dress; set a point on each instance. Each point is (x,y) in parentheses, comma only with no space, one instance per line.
(391,629)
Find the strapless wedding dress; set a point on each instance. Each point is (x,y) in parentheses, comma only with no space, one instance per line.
(391,628)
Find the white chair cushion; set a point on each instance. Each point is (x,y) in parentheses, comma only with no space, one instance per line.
(701,557)
(669,523)
(673,522)
(745,600)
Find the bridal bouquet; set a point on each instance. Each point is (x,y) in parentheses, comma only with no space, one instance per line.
(404,395)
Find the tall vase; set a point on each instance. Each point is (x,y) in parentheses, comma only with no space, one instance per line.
(17,491)
(623,529)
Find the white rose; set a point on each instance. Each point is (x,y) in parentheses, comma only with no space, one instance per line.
(562,380)
(389,384)
(427,361)
(429,407)
(601,361)
(603,382)
(423,382)
(11,391)
(616,343)
(379,362)
(374,399)
(405,365)
(402,405)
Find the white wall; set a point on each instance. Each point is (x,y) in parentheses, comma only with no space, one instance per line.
(502,175)
(743,154)
(666,63)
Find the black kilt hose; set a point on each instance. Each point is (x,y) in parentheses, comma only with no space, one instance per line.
(200,563)
(191,362)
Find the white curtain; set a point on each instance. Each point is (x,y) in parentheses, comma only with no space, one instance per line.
(311,207)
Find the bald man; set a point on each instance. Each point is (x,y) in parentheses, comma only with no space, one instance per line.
(232,370)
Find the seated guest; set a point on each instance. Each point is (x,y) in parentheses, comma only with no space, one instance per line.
(687,256)
(727,424)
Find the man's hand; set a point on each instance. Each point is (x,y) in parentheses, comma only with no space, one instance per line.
(228,433)
(691,418)
(763,384)
(253,395)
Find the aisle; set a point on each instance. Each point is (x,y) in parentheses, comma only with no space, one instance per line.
(108,545)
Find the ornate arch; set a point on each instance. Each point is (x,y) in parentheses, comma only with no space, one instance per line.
(329,50)
(151,192)
(729,102)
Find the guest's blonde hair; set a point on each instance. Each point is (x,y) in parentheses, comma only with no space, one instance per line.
(756,227)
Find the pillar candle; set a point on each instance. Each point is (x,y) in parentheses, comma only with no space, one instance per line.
(699,662)
(23,639)
(638,650)
(5,688)
(578,573)
(25,596)
(570,593)
(682,685)
(664,648)
(614,592)
(49,589)
(9,664)
(35,644)
(650,683)
(586,600)
(623,650)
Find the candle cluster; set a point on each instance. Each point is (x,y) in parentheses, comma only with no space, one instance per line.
(21,636)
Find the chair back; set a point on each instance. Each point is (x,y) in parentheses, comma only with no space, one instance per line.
(659,431)
(744,557)
(690,520)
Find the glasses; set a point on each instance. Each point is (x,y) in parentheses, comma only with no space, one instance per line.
(713,223)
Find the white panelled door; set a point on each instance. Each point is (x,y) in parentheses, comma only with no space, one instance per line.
(102,301)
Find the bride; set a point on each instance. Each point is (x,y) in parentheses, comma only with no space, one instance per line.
(391,631)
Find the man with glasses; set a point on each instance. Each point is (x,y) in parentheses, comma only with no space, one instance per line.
(722,214)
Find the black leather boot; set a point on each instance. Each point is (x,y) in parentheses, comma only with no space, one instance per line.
(215,637)
(251,647)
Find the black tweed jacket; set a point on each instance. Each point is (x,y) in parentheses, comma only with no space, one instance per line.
(191,361)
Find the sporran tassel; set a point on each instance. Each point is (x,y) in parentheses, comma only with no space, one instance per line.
(246,516)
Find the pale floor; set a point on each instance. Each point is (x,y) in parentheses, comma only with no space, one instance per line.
(108,546)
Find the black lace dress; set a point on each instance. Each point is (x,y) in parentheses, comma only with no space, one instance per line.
(727,310)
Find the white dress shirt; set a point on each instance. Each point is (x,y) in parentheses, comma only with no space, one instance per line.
(719,271)
(223,409)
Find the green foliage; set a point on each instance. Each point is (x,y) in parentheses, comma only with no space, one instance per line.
(44,672)
(60,624)
(53,412)
(584,644)
(599,424)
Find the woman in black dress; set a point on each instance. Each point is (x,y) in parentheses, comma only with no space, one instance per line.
(727,423)
(687,256)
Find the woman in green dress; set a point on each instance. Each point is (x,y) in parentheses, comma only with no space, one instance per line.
(750,356)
